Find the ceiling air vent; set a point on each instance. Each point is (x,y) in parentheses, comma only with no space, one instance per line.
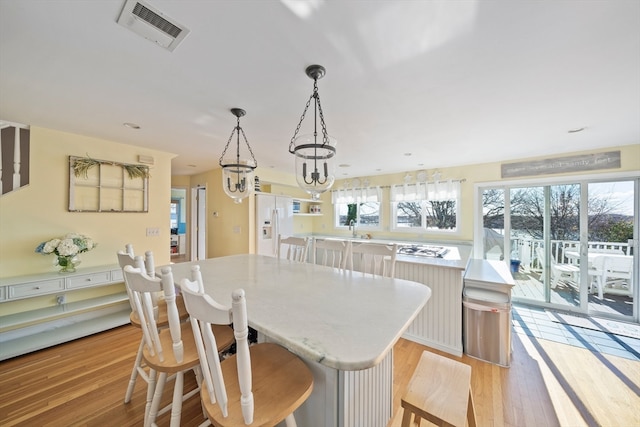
(150,23)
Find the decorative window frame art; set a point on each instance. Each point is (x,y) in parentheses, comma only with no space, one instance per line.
(107,186)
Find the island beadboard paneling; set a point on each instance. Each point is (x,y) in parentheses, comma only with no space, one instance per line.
(439,324)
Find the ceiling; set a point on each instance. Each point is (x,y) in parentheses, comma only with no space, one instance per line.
(410,85)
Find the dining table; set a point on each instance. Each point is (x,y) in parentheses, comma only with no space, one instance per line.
(343,324)
(601,274)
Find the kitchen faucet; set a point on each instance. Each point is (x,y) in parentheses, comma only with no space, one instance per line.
(352,226)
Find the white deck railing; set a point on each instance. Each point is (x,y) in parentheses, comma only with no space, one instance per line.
(526,250)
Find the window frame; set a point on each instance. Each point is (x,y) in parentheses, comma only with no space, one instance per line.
(423,201)
(359,226)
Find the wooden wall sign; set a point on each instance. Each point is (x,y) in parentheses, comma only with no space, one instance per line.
(585,162)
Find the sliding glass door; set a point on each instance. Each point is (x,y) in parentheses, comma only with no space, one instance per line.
(610,251)
(569,244)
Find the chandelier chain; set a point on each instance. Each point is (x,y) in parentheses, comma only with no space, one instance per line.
(304,113)
(226,146)
(255,162)
(325,136)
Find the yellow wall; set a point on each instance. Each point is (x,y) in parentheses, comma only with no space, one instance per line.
(227,222)
(39,211)
(472,175)
(232,231)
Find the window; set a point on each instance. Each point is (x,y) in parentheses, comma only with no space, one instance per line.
(362,206)
(426,207)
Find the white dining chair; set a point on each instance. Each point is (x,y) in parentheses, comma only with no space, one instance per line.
(330,253)
(140,369)
(376,259)
(166,351)
(293,248)
(261,385)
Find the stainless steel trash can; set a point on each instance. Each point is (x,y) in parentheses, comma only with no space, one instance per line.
(487,325)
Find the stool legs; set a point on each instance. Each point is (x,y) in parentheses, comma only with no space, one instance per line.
(471,410)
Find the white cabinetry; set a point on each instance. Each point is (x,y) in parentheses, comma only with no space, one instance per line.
(31,330)
(439,324)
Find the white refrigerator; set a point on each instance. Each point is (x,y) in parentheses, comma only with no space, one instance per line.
(274,215)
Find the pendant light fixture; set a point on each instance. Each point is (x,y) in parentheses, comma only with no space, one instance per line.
(237,174)
(315,159)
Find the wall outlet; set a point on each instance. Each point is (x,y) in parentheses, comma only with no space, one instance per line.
(61,299)
(153,232)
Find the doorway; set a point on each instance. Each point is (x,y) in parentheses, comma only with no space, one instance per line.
(199,219)
(178,225)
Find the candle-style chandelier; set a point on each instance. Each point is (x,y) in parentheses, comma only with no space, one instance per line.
(315,161)
(237,174)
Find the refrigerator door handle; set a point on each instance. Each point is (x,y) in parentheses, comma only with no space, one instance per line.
(276,231)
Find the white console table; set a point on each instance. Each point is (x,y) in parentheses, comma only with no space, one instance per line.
(42,327)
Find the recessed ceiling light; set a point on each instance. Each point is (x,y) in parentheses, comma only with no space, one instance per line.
(576,130)
(131,125)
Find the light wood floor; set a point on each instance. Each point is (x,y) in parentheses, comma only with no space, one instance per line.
(548,384)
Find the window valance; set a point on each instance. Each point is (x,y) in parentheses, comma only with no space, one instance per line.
(357,195)
(436,191)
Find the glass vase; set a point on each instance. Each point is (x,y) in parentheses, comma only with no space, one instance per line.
(67,264)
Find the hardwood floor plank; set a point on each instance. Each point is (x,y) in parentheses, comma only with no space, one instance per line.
(82,383)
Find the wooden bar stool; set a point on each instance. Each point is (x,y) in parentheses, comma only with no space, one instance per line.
(440,392)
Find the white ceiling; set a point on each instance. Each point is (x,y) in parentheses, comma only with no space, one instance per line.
(451,82)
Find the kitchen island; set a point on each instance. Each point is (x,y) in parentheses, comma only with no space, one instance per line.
(331,319)
(439,323)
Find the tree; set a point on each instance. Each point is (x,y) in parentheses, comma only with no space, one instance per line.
(493,208)
(411,213)
(527,206)
(352,213)
(441,215)
(620,231)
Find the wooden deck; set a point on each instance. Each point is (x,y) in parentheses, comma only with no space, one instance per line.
(529,288)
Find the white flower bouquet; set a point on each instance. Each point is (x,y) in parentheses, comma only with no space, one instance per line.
(66,249)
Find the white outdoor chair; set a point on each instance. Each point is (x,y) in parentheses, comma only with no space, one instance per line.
(260,385)
(167,351)
(596,272)
(331,253)
(293,248)
(611,271)
(619,272)
(374,258)
(568,272)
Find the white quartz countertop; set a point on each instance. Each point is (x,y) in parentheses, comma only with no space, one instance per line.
(488,272)
(456,257)
(342,320)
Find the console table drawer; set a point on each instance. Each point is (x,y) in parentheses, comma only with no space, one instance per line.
(117,275)
(86,280)
(36,288)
